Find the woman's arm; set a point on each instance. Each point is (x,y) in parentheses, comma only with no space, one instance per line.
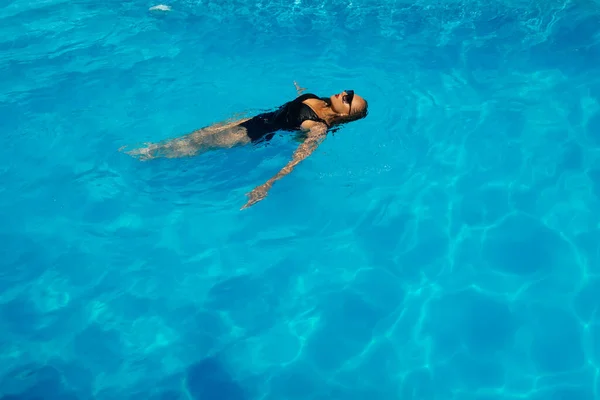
(316,134)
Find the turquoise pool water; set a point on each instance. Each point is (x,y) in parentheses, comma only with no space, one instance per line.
(445,247)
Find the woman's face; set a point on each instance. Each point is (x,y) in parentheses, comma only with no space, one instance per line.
(347,102)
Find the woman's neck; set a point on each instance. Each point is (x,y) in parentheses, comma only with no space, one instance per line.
(323,111)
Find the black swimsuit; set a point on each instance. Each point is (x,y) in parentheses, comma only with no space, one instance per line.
(288,117)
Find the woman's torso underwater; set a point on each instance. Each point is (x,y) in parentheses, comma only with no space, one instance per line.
(288,117)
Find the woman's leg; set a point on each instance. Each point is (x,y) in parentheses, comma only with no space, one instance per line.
(224,135)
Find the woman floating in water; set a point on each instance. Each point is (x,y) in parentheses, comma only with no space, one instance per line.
(306,113)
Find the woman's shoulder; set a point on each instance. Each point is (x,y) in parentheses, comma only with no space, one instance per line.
(306,96)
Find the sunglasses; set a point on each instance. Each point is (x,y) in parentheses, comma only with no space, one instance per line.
(348,97)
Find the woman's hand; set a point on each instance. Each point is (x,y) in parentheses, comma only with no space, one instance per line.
(259,193)
(299,89)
